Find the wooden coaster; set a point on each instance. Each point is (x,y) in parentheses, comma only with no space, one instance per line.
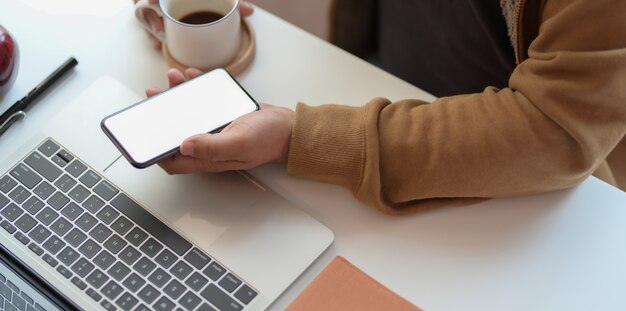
(239,63)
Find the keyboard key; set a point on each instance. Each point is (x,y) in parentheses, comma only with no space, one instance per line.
(7,183)
(115,244)
(196,281)
(245,294)
(53,245)
(22,238)
(33,205)
(129,255)
(122,225)
(86,222)
(79,193)
(108,306)
(148,294)
(144,266)
(35,249)
(65,183)
(25,175)
(47,216)
(68,256)
(206,307)
(111,290)
(93,204)
(43,166)
(104,260)
(165,259)
(93,294)
(214,271)
(126,302)
(4,200)
(151,247)
(13,287)
(50,260)
(61,226)
(82,267)
(27,298)
(7,226)
(97,278)
(44,190)
(39,234)
(159,277)
(64,272)
(181,270)
(48,148)
(119,271)
(174,289)
(133,282)
(11,212)
(72,211)
(189,301)
(164,304)
(25,223)
(89,248)
(58,161)
(66,156)
(107,214)
(142,307)
(6,292)
(105,190)
(79,283)
(76,168)
(75,237)
(136,236)
(220,299)
(151,224)
(90,178)
(197,258)
(19,194)
(58,200)
(100,233)
(18,302)
(230,282)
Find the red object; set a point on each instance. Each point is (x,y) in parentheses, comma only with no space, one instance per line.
(9,61)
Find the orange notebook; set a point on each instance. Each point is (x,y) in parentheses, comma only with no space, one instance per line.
(342,286)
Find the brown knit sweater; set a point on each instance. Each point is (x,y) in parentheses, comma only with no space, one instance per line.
(562,114)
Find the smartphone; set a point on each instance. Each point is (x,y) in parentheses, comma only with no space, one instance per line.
(154,128)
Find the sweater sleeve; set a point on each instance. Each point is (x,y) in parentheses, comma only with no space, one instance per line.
(563,112)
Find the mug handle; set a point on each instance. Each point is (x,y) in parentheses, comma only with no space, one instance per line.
(140,8)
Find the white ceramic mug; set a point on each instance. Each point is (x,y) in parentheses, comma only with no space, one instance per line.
(204,46)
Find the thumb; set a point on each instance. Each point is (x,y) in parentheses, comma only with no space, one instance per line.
(226,146)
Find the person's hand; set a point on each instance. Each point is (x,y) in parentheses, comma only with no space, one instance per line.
(256,138)
(156,22)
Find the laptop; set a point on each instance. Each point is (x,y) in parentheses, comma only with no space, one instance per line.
(80,228)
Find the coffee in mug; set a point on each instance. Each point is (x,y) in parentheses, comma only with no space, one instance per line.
(204,34)
(201,17)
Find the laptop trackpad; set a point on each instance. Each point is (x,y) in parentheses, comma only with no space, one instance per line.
(202,206)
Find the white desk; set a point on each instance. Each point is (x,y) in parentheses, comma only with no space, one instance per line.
(559,251)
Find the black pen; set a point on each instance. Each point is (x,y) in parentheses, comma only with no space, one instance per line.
(17,111)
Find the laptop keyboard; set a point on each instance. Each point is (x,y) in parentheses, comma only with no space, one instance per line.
(106,244)
(12,298)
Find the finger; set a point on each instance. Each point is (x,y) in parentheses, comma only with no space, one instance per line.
(185,165)
(156,43)
(175,77)
(153,1)
(245,9)
(225,146)
(193,72)
(151,91)
(155,21)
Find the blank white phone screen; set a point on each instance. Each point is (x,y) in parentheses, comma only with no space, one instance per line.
(160,124)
